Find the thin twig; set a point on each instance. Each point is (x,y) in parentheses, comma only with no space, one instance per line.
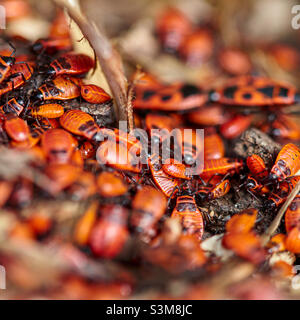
(130,118)
(109,59)
(274,225)
(138,75)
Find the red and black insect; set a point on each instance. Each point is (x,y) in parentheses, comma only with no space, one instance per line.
(80,123)
(71,64)
(253,186)
(133,145)
(190,216)
(276,199)
(190,142)
(5,65)
(176,169)
(16,127)
(85,224)
(160,126)
(179,97)
(94,94)
(111,185)
(87,150)
(242,222)
(60,88)
(118,156)
(292,241)
(148,207)
(62,176)
(234,61)
(222,166)
(287,162)
(251,91)
(209,115)
(257,166)
(14,105)
(282,127)
(60,27)
(207,192)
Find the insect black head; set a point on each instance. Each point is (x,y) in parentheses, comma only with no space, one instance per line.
(250,183)
(201,196)
(37,96)
(37,47)
(270,205)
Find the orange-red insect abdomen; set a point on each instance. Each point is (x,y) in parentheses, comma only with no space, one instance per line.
(178,97)
(235,126)
(94,94)
(220,166)
(149,205)
(57,145)
(176,170)
(117,156)
(50,110)
(292,215)
(242,222)
(257,166)
(110,185)
(61,88)
(166,183)
(292,241)
(72,64)
(287,162)
(191,218)
(80,123)
(16,127)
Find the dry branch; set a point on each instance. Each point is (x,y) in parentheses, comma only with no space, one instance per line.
(109,59)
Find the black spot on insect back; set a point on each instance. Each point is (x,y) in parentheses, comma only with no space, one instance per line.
(148,94)
(267,91)
(283,92)
(230,91)
(247,96)
(166,97)
(189,90)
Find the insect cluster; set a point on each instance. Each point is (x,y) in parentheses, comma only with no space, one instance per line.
(152,216)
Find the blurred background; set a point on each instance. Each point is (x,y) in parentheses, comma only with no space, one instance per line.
(257,27)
